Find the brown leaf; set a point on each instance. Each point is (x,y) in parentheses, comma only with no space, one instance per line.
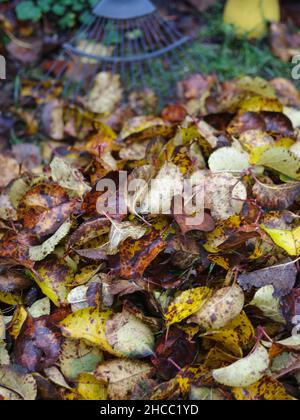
(171,350)
(276,197)
(282,276)
(38,345)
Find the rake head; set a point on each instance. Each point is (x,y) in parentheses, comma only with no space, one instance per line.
(127,38)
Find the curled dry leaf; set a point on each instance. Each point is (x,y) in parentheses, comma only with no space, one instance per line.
(276,197)
(265,300)
(244,372)
(221,308)
(119,232)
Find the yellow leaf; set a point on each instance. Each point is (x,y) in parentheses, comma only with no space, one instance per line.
(18,320)
(186,304)
(10,298)
(281,160)
(289,240)
(235,336)
(122,375)
(221,233)
(90,388)
(53,277)
(192,374)
(266,389)
(259,104)
(89,324)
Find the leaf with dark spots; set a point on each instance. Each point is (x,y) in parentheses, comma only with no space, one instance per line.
(173,349)
(136,256)
(276,197)
(245,122)
(278,123)
(46,389)
(87,231)
(13,280)
(38,345)
(281,276)
(45,207)
(291,306)
(15,247)
(96,254)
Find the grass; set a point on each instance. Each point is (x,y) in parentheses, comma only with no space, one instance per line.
(217,50)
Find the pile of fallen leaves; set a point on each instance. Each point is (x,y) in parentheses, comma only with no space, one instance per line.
(143,305)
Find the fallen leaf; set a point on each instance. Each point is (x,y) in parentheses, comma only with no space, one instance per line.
(270,306)
(286,239)
(122,376)
(221,308)
(78,357)
(119,232)
(40,252)
(186,303)
(246,371)
(68,177)
(267,389)
(17,385)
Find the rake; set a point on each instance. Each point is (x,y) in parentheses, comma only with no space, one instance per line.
(125,37)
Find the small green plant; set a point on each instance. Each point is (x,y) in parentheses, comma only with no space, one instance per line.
(67,13)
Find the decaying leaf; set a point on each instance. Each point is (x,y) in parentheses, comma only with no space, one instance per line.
(186,304)
(129,336)
(105,94)
(289,240)
(17,385)
(221,308)
(77,357)
(119,232)
(282,277)
(122,375)
(267,389)
(264,300)
(244,372)
(68,177)
(40,252)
